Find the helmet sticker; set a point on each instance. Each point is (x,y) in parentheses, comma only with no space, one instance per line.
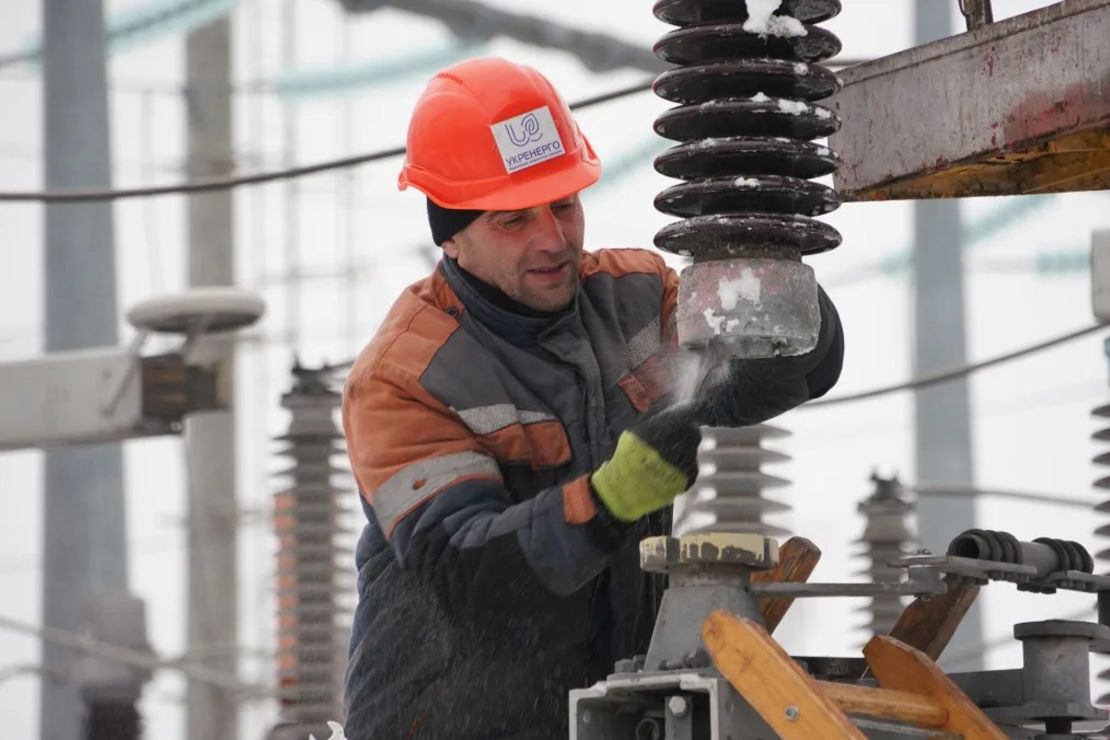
(527,139)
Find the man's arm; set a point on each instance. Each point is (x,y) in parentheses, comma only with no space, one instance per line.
(441,503)
(758,390)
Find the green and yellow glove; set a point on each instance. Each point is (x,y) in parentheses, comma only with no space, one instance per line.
(656,459)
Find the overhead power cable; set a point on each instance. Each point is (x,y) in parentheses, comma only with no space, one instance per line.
(132,657)
(77,195)
(924,381)
(469,19)
(944,376)
(144,23)
(931,490)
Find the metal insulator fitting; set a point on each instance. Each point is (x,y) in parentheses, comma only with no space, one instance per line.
(716,549)
(746,81)
(1056,666)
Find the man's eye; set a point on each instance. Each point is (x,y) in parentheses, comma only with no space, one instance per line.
(512,223)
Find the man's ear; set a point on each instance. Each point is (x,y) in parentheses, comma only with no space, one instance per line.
(451,248)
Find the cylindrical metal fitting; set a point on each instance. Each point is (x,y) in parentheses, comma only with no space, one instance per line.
(753,306)
(1046,554)
(743,551)
(1056,667)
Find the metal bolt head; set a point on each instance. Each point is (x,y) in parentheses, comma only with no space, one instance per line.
(678,706)
(792,713)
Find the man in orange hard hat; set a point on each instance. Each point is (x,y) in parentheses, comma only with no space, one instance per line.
(509,432)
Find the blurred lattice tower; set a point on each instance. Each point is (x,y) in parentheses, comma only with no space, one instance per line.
(887,535)
(731,484)
(314,580)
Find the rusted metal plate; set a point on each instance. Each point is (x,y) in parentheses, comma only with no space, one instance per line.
(1019,106)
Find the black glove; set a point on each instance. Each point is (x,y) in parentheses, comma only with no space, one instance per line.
(758,390)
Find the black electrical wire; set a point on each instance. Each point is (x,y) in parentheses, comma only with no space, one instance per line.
(930,490)
(923,382)
(955,373)
(225,183)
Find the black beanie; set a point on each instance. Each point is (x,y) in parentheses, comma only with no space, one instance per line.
(446,222)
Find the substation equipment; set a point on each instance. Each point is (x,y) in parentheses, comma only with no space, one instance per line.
(1014,107)
(110,394)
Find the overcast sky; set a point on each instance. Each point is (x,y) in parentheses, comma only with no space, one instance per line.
(356,242)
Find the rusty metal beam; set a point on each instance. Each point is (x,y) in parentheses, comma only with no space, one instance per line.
(1019,106)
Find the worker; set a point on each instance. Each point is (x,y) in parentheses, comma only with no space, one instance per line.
(513,430)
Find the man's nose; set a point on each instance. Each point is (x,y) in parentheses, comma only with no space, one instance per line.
(549,234)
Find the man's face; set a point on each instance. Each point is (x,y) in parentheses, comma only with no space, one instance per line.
(532,255)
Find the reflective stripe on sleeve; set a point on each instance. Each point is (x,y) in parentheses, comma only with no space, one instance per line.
(414,484)
(489,419)
(644,344)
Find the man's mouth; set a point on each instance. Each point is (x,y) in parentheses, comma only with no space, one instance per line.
(553,271)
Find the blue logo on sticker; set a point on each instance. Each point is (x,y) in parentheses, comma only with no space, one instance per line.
(531,126)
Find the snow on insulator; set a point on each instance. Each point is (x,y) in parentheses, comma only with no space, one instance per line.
(887,535)
(731,484)
(315,585)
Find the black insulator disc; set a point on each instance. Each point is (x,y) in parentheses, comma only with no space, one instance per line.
(739,156)
(767,193)
(738,117)
(779,78)
(736,235)
(685,12)
(698,44)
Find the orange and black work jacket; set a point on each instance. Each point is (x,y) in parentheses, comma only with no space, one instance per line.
(491,580)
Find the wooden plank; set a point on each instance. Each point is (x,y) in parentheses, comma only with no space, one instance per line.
(797,559)
(768,679)
(928,623)
(900,706)
(898,666)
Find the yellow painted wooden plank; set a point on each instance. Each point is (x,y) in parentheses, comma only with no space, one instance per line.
(902,668)
(768,679)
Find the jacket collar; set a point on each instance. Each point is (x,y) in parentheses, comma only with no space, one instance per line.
(498,312)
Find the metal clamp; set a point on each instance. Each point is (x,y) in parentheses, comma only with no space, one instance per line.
(977,13)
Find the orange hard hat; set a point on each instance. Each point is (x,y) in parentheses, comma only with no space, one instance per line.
(491,135)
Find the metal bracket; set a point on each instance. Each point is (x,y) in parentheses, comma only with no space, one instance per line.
(116,392)
(1024,576)
(813,590)
(977,13)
